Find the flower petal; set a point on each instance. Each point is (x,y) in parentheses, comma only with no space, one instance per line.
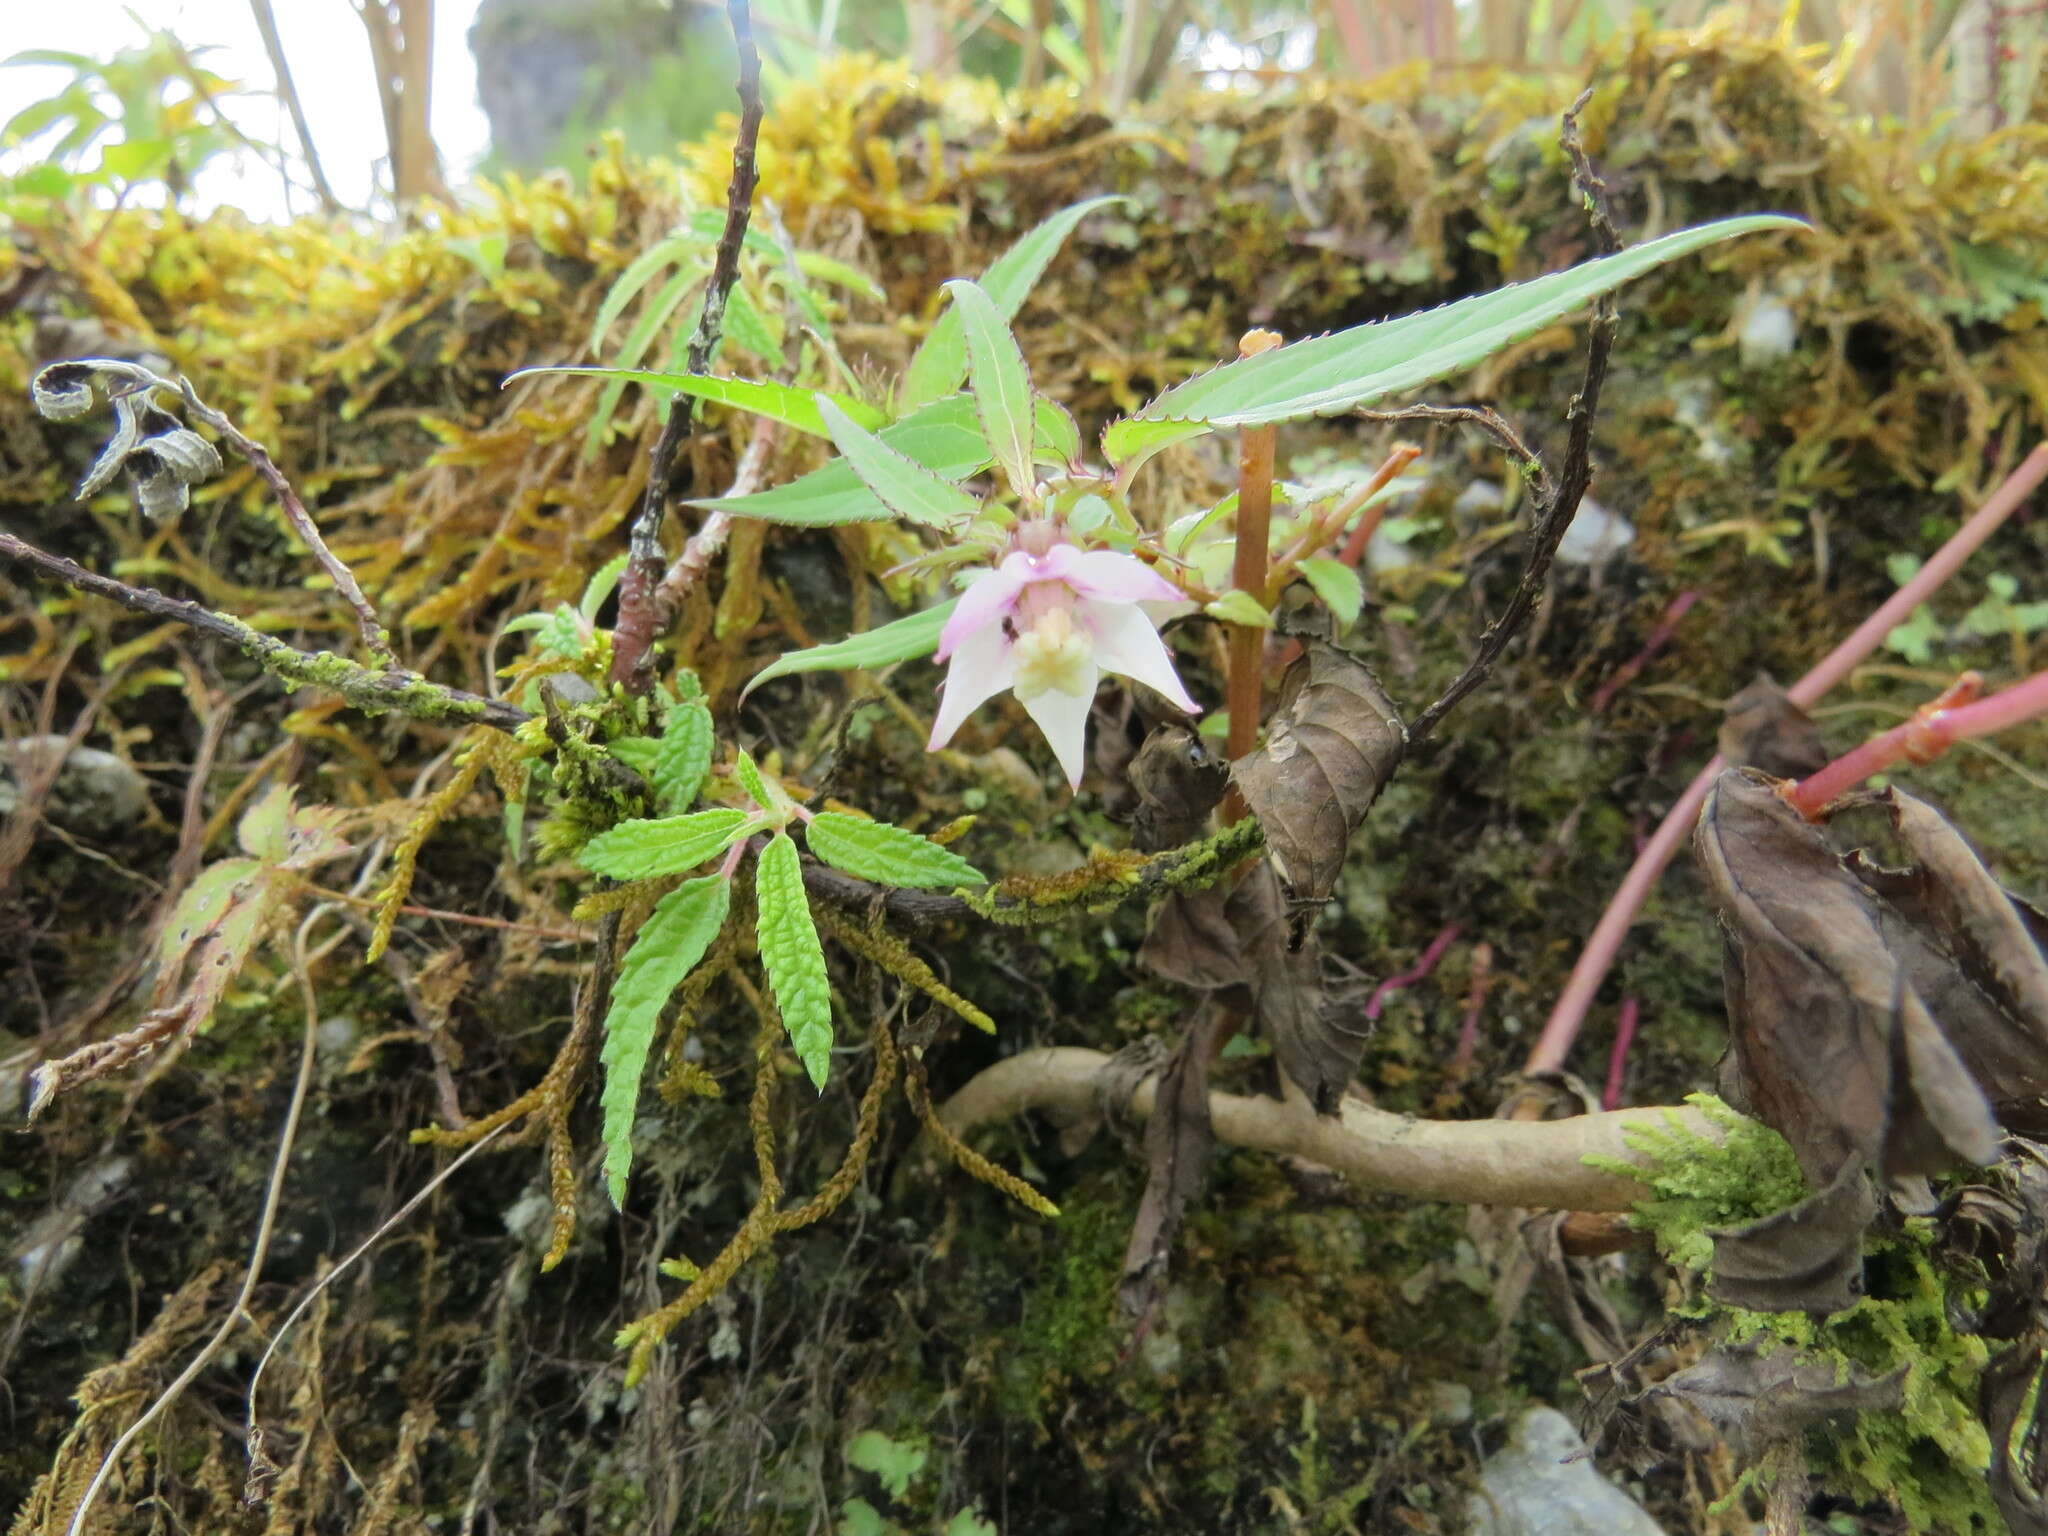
(1108,575)
(983,605)
(1128,645)
(1064,719)
(982,667)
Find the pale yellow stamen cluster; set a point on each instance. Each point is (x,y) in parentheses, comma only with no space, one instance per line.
(1053,655)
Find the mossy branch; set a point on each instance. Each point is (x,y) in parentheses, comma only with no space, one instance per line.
(393,690)
(1575,1164)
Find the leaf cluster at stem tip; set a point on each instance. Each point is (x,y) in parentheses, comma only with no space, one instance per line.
(687,920)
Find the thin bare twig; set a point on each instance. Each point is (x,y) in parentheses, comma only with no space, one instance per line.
(394,689)
(705,543)
(642,613)
(1559,503)
(260,1249)
(374,638)
(266,23)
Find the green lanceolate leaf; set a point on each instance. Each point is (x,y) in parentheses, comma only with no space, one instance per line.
(639,850)
(945,437)
(899,482)
(1356,367)
(1337,584)
(667,948)
(792,407)
(602,584)
(941,362)
(749,774)
(885,854)
(685,755)
(1002,384)
(899,640)
(794,959)
(1059,439)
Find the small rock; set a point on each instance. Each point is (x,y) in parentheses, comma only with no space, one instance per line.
(1596,534)
(1477,497)
(1544,1483)
(95,792)
(1769,331)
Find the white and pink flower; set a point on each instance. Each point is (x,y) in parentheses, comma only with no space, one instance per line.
(1046,623)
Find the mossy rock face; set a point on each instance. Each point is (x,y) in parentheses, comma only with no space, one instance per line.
(1284,1384)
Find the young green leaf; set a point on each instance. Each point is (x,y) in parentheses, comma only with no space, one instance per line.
(792,955)
(749,774)
(941,362)
(785,403)
(885,854)
(899,482)
(1356,367)
(899,640)
(1002,384)
(1238,606)
(685,755)
(602,584)
(639,850)
(1058,438)
(945,437)
(1337,584)
(667,948)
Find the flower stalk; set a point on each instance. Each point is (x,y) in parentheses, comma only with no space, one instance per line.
(1244,686)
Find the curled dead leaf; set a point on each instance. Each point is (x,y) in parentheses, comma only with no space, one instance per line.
(1758,1399)
(1332,742)
(1832,1043)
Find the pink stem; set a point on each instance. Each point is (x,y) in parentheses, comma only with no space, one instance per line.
(1423,967)
(1617,1058)
(1597,958)
(1659,638)
(1475,1005)
(1956,716)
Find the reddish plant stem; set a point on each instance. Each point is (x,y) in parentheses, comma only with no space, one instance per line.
(1660,637)
(1956,716)
(1422,967)
(1597,958)
(1617,1057)
(1475,1005)
(1244,687)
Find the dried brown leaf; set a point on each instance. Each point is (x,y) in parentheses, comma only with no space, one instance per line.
(1762,728)
(1177,784)
(1973,952)
(2010,1401)
(1333,741)
(1806,1258)
(1177,1141)
(1243,946)
(1758,1400)
(1831,1043)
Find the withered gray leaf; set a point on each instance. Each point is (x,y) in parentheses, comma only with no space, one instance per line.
(1242,945)
(1177,1142)
(1807,1258)
(1973,953)
(1317,1039)
(1762,728)
(1757,1399)
(1177,784)
(1193,942)
(1332,743)
(1830,1043)
(2011,1388)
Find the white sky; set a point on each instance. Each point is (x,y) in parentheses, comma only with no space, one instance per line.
(329,55)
